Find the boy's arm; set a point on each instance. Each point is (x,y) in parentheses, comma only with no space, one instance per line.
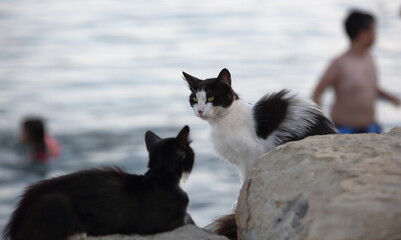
(383,94)
(327,79)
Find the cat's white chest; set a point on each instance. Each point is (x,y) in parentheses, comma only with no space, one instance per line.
(235,139)
(235,145)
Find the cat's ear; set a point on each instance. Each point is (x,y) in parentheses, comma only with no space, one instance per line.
(225,76)
(151,139)
(183,135)
(192,81)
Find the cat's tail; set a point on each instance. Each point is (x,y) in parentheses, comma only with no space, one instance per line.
(50,217)
(225,226)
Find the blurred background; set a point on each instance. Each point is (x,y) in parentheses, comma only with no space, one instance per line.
(103,72)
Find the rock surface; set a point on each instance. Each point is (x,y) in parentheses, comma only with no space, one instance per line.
(188,232)
(333,187)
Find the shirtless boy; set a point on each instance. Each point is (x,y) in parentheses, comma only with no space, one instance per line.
(353,76)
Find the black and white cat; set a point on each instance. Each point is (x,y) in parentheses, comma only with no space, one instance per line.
(109,200)
(241,132)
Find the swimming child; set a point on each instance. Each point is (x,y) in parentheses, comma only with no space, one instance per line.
(41,147)
(353,76)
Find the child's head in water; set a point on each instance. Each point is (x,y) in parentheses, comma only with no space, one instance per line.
(33,133)
(360,28)
(41,145)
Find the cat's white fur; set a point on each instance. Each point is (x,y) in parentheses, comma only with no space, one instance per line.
(203,109)
(233,129)
(183,180)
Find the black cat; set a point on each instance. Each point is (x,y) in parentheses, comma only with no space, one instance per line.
(109,200)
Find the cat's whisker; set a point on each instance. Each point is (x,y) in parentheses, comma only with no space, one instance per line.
(183,180)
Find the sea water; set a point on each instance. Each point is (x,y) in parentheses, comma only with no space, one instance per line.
(102,73)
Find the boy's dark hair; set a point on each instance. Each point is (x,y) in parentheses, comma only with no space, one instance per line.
(358,21)
(35,130)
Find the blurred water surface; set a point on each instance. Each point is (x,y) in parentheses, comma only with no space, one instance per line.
(103,72)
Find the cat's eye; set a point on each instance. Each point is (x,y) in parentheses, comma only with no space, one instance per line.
(209,99)
(195,99)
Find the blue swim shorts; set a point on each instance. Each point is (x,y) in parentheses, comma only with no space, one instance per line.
(372,128)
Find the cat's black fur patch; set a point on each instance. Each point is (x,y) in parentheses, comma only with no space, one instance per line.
(109,200)
(322,125)
(269,112)
(219,88)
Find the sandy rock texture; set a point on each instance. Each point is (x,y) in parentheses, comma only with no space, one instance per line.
(333,187)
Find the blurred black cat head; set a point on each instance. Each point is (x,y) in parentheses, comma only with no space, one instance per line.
(170,155)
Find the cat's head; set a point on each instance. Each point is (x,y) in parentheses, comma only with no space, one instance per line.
(211,97)
(170,155)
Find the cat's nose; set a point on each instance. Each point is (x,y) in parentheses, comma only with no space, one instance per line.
(200,112)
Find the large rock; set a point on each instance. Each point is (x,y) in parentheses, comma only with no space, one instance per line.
(333,187)
(188,232)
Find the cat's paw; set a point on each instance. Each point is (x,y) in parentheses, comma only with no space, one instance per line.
(78,236)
